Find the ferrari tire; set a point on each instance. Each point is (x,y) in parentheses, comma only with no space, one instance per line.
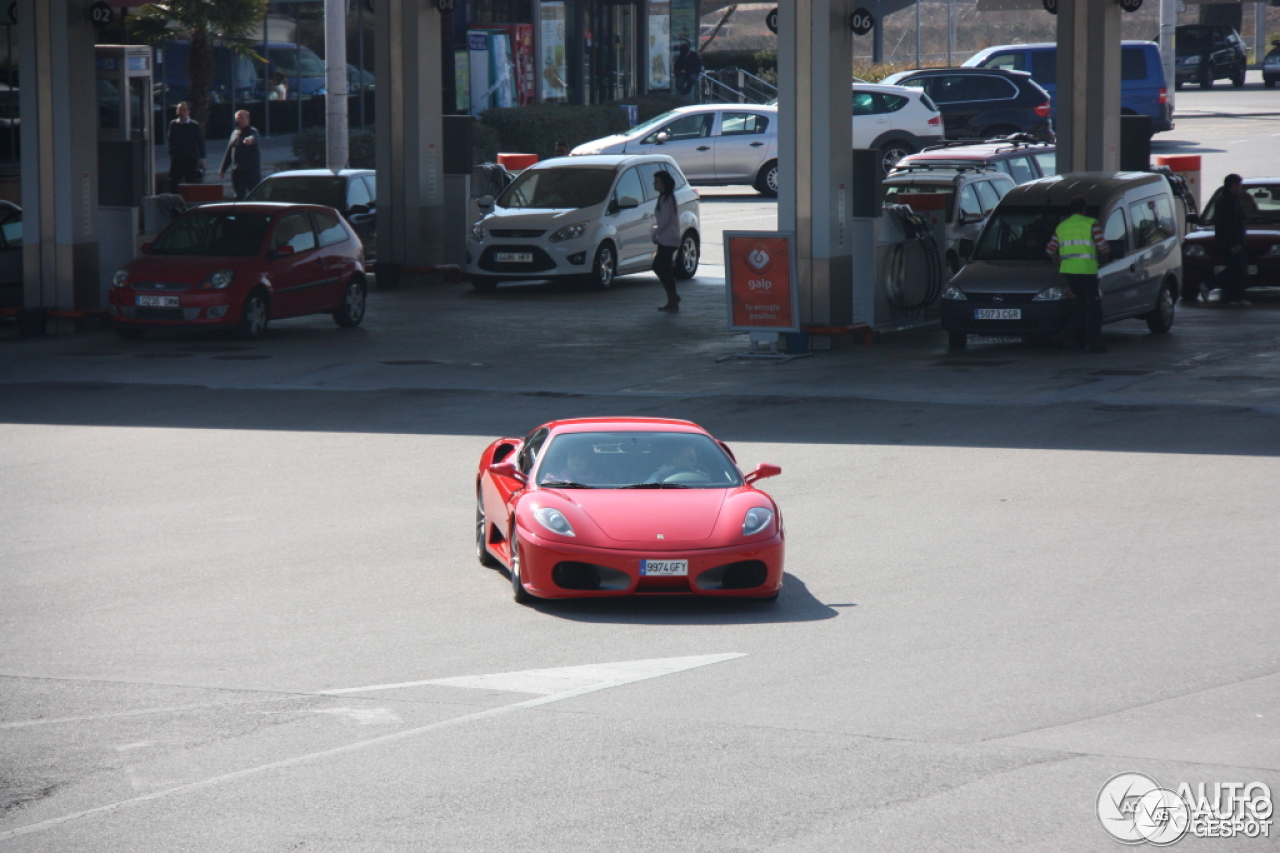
(482,537)
(1237,79)
(253,317)
(350,311)
(519,593)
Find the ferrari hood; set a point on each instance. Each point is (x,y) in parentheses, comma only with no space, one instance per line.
(645,515)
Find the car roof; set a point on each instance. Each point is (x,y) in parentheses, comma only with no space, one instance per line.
(1096,187)
(318,173)
(623,424)
(258,206)
(931,173)
(610,161)
(1042,45)
(977,151)
(961,69)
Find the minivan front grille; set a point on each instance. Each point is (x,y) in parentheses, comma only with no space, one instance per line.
(516,232)
(999,299)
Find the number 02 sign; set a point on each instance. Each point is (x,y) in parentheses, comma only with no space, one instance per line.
(761,271)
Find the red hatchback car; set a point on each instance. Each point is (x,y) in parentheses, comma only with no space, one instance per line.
(241,265)
(1202,257)
(614,506)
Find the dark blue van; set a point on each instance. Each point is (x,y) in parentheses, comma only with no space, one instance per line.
(1143,90)
(242,78)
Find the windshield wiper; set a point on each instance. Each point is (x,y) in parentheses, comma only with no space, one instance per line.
(564,484)
(655,486)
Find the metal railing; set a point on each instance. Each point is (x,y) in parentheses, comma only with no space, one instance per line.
(734,86)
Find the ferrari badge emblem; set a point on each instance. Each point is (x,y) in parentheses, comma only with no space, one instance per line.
(660,536)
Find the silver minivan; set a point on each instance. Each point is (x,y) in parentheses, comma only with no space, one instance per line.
(1011,287)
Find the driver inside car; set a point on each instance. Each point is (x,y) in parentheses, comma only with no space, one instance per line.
(680,460)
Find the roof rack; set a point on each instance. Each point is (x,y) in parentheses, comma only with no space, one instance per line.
(943,167)
(1009,142)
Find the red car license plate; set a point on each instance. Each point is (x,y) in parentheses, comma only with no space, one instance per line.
(157,302)
(664,568)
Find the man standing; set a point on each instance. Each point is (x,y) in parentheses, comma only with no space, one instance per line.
(242,157)
(1077,244)
(186,149)
(1229,232)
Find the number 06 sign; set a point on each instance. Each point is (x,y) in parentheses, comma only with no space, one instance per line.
(761,281)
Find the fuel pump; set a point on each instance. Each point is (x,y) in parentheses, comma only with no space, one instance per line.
(126,152)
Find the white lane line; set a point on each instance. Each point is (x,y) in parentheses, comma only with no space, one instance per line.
(89,718)
(636,675)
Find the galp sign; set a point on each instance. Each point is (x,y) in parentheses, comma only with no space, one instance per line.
(761,286)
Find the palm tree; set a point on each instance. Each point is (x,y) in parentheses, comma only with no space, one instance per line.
(204,23)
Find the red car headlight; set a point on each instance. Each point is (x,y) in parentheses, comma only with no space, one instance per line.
(553,520)
(758,518)
(121,278)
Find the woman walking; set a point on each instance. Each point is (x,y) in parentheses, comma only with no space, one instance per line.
(666,233)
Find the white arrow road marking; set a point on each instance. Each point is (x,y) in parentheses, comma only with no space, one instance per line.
(588,679)
(549,682)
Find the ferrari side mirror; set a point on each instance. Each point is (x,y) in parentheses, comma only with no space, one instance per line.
(508,470)
(763,470)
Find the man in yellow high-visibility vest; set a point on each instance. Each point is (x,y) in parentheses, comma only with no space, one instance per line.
(1078,246)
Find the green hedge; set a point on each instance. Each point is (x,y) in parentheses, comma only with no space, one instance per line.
(536,129)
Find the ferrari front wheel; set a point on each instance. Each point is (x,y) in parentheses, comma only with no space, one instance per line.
(482,536)
(520,594)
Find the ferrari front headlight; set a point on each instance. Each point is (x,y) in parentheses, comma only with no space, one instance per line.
(553,520)
(757,519)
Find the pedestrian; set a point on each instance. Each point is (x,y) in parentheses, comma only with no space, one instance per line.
(279,87)
(562,149)
(1229,231)
(666,233)
(242,157)
(186,149)
(1077,245)
(687,67)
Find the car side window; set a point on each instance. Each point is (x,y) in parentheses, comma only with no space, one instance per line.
(891,103)
(1115,231)
(371,182)
(1142,216)
(330,228)
(969,204)
(530,448)
(989,89)
(1005,61)
(629,185)
(12,232)
(294,230)
(686,127)
(357,193)
(1020,169)
(1048,161)
(742,124)
(1165,224)
(864,103)
(948,89)
(987,195)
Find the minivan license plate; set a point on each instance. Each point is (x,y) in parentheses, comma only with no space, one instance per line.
(157,302)
(664,568)
(1252,269)
(997,313)
(514,257)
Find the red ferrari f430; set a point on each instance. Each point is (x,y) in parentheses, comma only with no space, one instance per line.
(616,506)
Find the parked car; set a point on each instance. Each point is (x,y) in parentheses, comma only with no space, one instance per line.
(351,192)
(719,144)
(238,266)
(1143,88)
(970,194)
(242,78)
(10,255)
(1207,52)
(1018,157)
(1271,66)
(1203,257)
(586,217)
(596,507)
(981,103)
(1011,287)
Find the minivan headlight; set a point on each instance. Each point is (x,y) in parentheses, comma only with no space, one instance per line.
(1194,251)
(953,292)
(569,232)
(477,233)
(1056,293)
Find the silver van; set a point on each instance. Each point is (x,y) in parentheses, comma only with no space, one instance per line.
(1010,287)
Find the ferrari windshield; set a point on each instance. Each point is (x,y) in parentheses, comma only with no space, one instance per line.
(636,460)
(224,233)
(559,188)
(1018,234)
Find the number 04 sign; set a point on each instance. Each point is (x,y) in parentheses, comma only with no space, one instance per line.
(760,267)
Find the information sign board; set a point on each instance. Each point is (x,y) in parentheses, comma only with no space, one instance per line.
(760,272)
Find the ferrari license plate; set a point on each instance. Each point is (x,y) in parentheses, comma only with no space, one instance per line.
(1252,269)
(157,302)
(664,568)
(997,313)
(513,257)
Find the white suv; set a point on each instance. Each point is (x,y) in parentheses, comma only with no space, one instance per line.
(580,217)
(719,144)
